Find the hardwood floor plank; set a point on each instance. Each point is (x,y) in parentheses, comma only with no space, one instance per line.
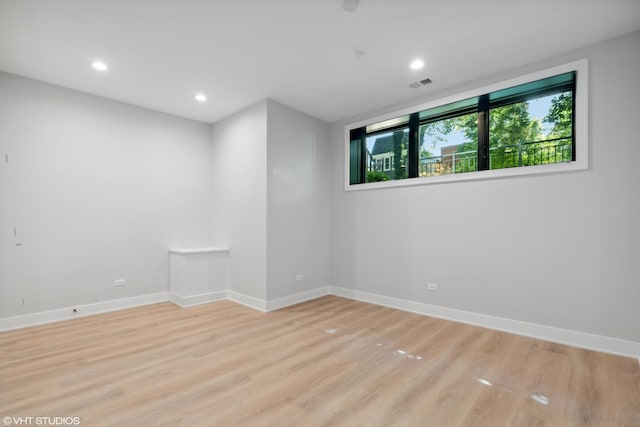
(326,362)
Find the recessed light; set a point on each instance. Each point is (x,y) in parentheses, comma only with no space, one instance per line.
(201,97)
(99,65)
(416,64)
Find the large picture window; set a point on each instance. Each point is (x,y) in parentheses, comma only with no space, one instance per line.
(525,125)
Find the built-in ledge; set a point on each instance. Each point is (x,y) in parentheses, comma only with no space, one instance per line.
(198,275)
(188,251)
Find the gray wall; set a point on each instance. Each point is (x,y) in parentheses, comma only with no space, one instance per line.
(557,250)
(271,199)
(297,201)
(97,190)
(240,197)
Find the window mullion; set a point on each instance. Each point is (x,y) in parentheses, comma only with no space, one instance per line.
(358,156)
(573,115)
(363,155)
(483,132)
(413,149)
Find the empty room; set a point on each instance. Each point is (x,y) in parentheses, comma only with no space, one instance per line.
(319,213)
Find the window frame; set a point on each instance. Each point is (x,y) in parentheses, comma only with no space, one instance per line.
(580,123)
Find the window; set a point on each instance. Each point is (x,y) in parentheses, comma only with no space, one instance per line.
(445,148)
(385,148)
(508,128)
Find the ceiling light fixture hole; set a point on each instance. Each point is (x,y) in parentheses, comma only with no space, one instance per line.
(351,5)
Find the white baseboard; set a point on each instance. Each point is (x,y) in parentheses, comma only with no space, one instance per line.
(251,302)
(548,333)
(192,300)
(33,319)
(278,303)
(533,330)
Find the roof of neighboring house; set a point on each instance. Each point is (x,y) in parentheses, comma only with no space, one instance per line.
(382,145)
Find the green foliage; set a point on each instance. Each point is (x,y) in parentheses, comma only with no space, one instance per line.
(436,131)
(400,144)
(468,125)
(510,129)
(515,139)
(511,124)
(560,115)
(376,176)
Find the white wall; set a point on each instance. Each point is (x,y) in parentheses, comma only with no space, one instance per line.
(271,199)
(297,201)
(97,190)
(558,250)
(239,197)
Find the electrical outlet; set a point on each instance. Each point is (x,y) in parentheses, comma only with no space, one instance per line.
(120,282)
(432,286)
(299,277)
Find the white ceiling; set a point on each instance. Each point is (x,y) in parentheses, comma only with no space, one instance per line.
(298,52)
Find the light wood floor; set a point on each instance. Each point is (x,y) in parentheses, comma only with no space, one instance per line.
(330,361)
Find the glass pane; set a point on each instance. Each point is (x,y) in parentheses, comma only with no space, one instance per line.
(355,156)
(551,84)
(534,132)
(387,156)
(387,124)
(449,146)
(450,109)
